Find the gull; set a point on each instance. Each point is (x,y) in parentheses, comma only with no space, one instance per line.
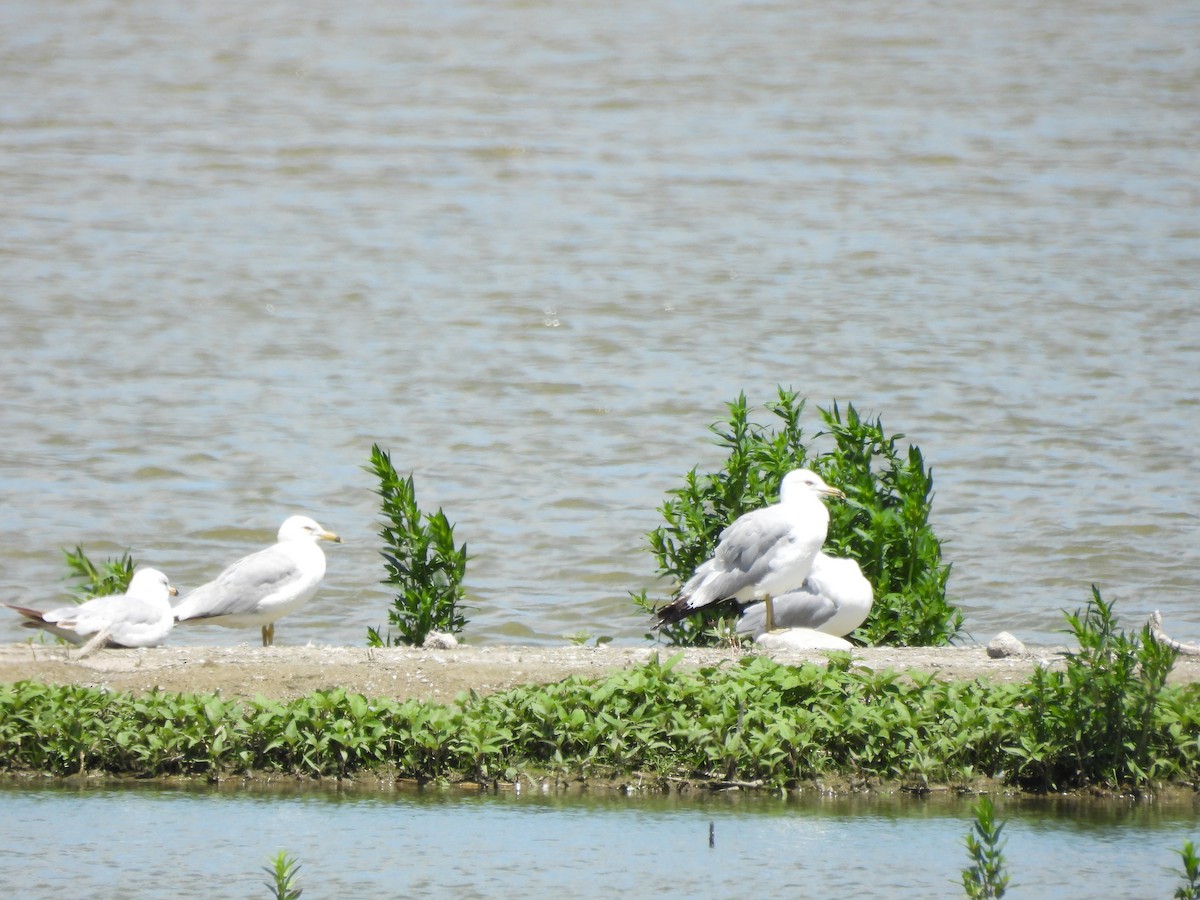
(834,599)
(265,586)
(763,553)
(141,617)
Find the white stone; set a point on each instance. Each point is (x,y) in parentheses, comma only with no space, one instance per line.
(439,640)
(1004,645)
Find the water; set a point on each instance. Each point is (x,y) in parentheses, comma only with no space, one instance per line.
(534,249)
(131,843)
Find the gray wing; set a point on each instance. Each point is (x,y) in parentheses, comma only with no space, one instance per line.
(745,554)
(240,588)
(59,613)
(748,552)
(111,609)
(806,607)
(36,619)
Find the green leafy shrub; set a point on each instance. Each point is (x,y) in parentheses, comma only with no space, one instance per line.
(422,562)
(1100,721)
(110,577)
(883,524)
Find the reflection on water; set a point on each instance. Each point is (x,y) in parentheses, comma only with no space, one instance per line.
(151,842)
(532,249)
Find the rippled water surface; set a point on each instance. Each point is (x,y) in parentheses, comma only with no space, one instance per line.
(153,843)
(533,249)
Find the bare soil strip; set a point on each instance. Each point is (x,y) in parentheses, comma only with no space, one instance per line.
(286,672)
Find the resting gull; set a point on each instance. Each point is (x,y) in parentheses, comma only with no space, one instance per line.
(834,599)
(265,586)
(763,553)
(141,617)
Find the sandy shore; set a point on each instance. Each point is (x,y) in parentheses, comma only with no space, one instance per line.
(285,672)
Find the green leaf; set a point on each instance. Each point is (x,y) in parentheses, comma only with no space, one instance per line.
(421,561)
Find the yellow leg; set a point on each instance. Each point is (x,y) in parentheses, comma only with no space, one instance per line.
(268,632)
(769,607)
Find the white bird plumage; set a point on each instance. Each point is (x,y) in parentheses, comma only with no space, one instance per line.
(263,587)
(763,553)
(834,599)
(141,617)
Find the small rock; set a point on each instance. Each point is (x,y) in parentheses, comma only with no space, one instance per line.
(1003,645)
(439,640)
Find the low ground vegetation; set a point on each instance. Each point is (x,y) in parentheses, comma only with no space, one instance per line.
(751,722)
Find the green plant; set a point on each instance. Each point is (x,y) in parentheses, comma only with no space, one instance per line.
(1097,722)
(985,877)
(750,720)
(1191,871)
(283,871)
(884,523)
(110,577)
(421,559)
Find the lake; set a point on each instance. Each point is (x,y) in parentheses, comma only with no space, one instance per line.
(150,842)
(533,249)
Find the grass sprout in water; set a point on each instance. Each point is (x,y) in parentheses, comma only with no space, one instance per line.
(283,871)
(985,877)
(1190,889)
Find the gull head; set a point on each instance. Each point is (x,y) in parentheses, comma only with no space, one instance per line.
(805,480)
(302,528)
(150,584)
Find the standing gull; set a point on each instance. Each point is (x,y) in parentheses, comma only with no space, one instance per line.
(834,599)
(764,553)
(265,586)
(141,617)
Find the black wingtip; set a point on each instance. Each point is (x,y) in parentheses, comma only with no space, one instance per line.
(676,611)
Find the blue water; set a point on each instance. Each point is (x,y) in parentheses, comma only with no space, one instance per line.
(154,842)
(533,249)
